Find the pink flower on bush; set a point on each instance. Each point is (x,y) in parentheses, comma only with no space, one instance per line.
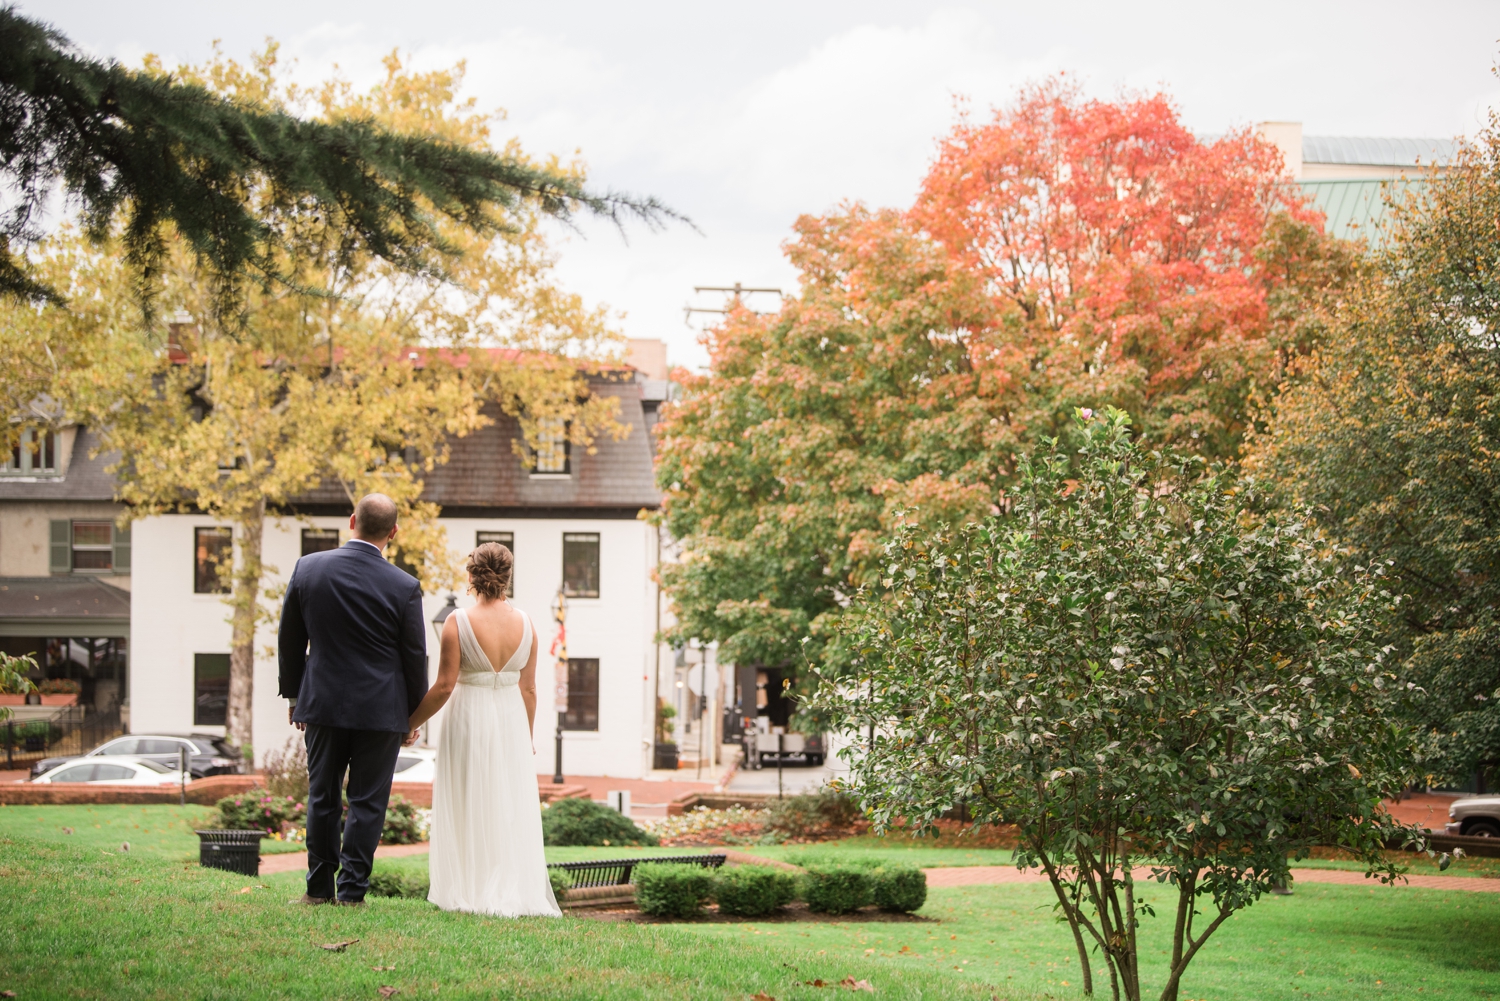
(1087,413)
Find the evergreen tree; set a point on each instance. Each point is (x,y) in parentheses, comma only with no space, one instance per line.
(154,151)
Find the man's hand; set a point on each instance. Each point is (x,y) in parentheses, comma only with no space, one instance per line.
(411,738)
(289,710)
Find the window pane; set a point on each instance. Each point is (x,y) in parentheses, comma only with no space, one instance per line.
(93,559)
(403,763)
(319,540)
(581,564)
(552,446)
(583,694)
(153,766)
(210,690)
(130,745)
(92,533)
(211,547)
(113,773)
(164,746)
(78,773)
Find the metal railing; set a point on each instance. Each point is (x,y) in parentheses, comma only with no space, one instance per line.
(71,730)
(617,872)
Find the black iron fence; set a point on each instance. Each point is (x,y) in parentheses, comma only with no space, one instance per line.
(70,730)
(617,872)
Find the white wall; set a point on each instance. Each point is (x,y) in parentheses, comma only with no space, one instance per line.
(169,624)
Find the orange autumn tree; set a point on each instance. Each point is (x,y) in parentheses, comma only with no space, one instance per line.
(1068,253)
(1135,255)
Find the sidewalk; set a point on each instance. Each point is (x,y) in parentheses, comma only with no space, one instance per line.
(648,797)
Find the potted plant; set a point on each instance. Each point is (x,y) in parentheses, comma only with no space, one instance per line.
(14,685)
(59,692)
(665,752)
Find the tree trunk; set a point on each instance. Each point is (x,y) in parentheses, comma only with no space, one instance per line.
(245,602)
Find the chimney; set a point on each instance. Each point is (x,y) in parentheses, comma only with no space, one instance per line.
(1287,137)
(647,355)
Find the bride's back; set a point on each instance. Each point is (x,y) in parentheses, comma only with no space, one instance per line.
(498,627)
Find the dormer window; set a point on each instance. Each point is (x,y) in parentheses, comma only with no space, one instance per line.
(552,449)
(34,455)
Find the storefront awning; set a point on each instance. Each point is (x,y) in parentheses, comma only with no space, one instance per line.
(62,606)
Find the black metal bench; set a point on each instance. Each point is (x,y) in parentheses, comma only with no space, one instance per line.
(617,872)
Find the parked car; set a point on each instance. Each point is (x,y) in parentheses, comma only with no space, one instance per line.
(115,769)
(1476,816)
(207,754)
(416,764)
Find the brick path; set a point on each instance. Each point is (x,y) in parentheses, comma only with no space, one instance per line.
(293,861)
(990,875)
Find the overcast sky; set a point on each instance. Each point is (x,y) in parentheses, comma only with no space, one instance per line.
(744,116)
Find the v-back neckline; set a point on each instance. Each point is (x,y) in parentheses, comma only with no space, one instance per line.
(468,627)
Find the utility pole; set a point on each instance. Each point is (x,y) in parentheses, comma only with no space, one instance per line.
(736,293)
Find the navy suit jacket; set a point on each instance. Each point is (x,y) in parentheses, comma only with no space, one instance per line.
(353,646)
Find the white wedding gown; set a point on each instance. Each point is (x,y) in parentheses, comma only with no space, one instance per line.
(487,853)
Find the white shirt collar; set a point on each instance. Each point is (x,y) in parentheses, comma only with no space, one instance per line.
(372,545)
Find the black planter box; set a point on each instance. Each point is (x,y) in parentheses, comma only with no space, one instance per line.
(232,851)
(665,756)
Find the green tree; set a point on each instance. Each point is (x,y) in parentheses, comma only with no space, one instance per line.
(360,389)
(1391,438)
(1136,672)
(175,157)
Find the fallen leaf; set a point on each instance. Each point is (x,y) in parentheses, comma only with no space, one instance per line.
(66,830)
(107,853)
(814,983)
(339,946)
(869,952)
(857,985)
(377,969)
(251,889)
(125,846)
(906,948)
(761,996)
(11,994)
(386,992)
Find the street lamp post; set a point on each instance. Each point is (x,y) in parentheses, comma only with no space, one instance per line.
(442,616)
(560,691)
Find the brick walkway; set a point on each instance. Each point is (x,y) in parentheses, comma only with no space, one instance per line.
(293,861)
(992,875)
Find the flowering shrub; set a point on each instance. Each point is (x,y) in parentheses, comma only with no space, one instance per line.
(403,826)
(59,686)
(258,810)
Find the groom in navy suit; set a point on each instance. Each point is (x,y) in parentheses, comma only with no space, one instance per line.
(353,655)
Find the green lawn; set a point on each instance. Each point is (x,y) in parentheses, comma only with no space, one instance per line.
(77,923)
(154,830)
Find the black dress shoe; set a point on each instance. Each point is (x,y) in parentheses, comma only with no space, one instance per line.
(312,901)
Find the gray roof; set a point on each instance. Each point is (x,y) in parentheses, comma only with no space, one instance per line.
(71,597)
(1356,209)
(87,478)
(483,476)
(1378,152)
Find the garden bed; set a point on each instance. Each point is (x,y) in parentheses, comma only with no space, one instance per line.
(794,913)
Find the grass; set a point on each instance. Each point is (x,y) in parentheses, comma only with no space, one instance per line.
(155,830)
(77,923)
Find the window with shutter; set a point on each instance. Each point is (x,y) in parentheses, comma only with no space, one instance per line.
(122,549)
(62,546)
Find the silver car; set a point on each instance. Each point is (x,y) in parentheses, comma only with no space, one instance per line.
(1476,816)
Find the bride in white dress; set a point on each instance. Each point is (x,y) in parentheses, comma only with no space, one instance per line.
(487,853)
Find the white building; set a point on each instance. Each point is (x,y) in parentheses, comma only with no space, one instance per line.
(575,523)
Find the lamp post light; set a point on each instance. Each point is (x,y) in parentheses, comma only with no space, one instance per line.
(442,615)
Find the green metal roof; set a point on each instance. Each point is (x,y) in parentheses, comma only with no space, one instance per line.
(1357,209)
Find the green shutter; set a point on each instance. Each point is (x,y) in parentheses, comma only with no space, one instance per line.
(122,549)
(62,546)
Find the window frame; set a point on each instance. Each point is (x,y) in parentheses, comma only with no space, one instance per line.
(583,538)
(552,432)
(576,725)
(220,586)
(74,547)
(201,661)
(319,534)
(20,460)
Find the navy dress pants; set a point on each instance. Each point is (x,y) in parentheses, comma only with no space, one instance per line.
(369,757)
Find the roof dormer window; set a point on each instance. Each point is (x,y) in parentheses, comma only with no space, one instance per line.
(35,454)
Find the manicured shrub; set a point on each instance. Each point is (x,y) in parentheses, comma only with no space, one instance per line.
(813,812)
(584,822)
(402,826)
(395,883)
(899,888)
(258,810)
(562,882)
(672,890)
(836,889)
(752,891)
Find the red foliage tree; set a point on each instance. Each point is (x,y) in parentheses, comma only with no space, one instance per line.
(1131,248)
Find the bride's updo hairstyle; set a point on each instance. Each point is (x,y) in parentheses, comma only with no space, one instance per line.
(490,567)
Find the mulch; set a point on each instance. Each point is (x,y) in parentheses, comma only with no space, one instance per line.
(796,913)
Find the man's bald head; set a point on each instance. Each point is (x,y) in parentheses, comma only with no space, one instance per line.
(374,518)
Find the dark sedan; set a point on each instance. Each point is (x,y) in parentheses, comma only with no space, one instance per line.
(207,754)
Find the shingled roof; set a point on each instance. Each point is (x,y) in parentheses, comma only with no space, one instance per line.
(87,478)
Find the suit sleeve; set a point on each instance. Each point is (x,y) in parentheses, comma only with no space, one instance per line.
(414,650)
(291,642)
